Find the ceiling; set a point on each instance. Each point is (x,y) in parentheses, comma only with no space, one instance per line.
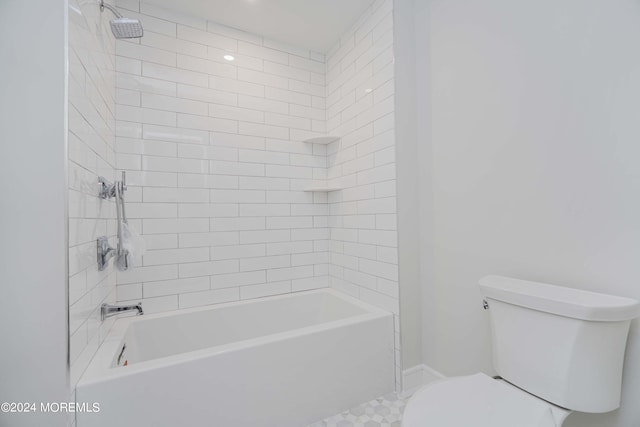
(310,24)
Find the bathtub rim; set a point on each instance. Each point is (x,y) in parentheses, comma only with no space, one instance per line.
(100,368)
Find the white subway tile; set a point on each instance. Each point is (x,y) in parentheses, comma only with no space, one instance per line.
(378,237)
(206,95)
(265,289)
(237,168)
(146,274)
(180,225)
(264,263)
(161,241)
(254,156)
(237,279)
(268,131)
(259,77)
(237,224)
(129,292)
(287,121)
(237,141)
(173,287)
(175,256)
(207,38)
(289,96)
(289,222)
(289,248)
(263,210)
(171,74)
(214,27)
(235,113)
(170,103)
(207,123)
(309,283)
(215,296)
(195,269)
(145,53)
(190,240)
(267,236)
(152,210)
(237,196)
(241,61)
(262,183)
(206,210)
(237,251)
(189,180)
(262,104)
(280,274)
(164,133)
(288,172)
(180,195)
(236,86)
(251,49)
(286,71)
(172,44)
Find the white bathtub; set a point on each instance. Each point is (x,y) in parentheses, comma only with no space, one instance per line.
(282,361)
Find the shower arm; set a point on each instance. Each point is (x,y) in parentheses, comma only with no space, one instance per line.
(113,10)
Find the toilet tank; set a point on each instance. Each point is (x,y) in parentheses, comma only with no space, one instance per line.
(563,345)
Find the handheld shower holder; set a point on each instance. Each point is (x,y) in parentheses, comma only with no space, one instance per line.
(108,189)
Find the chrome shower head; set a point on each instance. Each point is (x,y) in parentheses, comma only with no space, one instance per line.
(126,28)
(123,28)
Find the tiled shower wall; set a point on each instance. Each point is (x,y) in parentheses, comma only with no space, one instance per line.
(217,167)
(362,216)
(216,164)
(91,154)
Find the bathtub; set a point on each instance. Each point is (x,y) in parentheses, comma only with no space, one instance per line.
(284,361)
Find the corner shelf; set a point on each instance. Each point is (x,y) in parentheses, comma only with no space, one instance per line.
(321,189)
(328,139)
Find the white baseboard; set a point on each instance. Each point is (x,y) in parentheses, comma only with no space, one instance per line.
(417,376)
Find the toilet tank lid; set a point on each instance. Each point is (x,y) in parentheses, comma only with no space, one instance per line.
(569,302)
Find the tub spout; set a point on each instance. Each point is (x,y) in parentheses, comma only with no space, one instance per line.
(108,310)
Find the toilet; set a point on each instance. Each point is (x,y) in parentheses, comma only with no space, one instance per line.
(556,350)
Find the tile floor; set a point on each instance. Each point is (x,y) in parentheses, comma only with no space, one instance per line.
(384,411)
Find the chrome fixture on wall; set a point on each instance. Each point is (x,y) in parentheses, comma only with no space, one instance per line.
(108,310)
(121,27)
(105,251)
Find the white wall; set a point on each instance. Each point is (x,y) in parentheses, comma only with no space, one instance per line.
(33,275)
(91,154)
(360,109)
(216,163)
(535,164)
(409,220)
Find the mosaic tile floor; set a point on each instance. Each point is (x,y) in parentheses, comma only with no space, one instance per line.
(384,411)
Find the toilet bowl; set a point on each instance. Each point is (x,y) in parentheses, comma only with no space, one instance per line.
(587,332)
(479,401)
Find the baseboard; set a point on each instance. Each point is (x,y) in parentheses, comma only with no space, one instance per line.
(417,376)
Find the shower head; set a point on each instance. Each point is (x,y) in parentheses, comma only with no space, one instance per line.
(123,28)
(126,28)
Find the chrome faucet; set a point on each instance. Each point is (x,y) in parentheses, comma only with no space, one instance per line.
(108,310)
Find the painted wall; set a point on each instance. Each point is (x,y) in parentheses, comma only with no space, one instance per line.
(216,164)
(33,274)
(534,132)
(408,182)
(362,215)
(91,154)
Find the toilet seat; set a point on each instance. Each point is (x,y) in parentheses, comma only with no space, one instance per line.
(480,401)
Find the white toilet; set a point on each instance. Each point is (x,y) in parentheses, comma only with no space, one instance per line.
(556,349)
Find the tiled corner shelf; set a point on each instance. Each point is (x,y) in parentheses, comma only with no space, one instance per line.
(328,139)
